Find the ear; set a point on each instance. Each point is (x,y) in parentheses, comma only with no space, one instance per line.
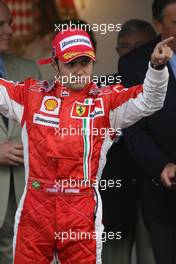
(158,26)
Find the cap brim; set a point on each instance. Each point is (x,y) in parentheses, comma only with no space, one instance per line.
(68,59)
(45,61)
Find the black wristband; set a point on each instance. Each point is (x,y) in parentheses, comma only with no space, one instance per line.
(157,67)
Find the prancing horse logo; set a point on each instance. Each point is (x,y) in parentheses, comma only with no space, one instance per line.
(80,110)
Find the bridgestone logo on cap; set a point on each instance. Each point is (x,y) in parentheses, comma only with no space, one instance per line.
(74,41)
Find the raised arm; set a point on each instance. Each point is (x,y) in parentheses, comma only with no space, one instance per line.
(130,105)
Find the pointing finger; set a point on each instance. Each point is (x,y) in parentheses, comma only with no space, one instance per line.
(165,42)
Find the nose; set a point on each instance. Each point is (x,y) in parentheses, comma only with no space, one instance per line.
(79,69)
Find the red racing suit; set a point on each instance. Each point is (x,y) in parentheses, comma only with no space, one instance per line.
(66,135)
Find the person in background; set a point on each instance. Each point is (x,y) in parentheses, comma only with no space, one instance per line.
(43,31)
(124,215)
(152,141)
(11,150)
(134,33)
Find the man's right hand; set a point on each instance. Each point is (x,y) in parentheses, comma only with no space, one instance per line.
(11,153)
(162,52)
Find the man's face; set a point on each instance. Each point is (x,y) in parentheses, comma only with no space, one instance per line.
(5,27)
(167,26)
(76,74)
(131,41)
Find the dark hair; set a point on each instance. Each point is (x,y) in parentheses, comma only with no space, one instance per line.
(136,25)
(80,24)
(158,7)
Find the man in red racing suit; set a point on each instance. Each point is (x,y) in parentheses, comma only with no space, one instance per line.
(66,133)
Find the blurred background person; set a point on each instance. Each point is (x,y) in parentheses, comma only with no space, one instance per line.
(134,33)
(152,140)
(11,151)
(38,46)
(123,214)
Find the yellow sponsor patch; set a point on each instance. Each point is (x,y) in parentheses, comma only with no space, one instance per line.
(80,110)
(51,104)
(70,55)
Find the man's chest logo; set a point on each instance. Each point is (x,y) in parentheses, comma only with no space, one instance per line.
(80,110)
(50,105)
(92,110)
(49,112)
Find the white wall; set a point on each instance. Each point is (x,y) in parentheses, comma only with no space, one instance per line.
(116,12)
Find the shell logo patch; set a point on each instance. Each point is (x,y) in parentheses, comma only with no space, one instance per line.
(51,104)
